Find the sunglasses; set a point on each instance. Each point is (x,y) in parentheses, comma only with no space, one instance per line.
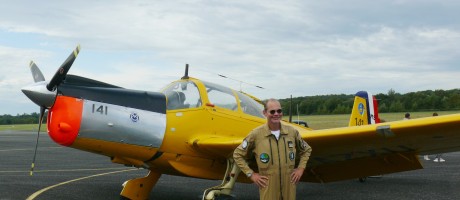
(279,111)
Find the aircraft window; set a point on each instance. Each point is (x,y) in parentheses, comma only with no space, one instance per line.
(250,106)
(182,95)
(221,96)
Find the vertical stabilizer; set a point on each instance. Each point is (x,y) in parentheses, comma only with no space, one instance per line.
(365,110)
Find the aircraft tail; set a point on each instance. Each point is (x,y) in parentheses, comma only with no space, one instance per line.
(365,110)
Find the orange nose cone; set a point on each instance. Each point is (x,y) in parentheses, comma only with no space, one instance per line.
(64,120)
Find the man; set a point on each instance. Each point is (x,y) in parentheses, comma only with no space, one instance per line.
(275,147)
(407,116)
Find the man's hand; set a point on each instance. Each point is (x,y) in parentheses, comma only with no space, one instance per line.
(296,175)
(259,180)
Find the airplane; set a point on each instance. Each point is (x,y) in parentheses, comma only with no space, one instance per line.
(191,127)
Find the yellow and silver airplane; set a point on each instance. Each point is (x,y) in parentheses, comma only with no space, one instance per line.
(191,128)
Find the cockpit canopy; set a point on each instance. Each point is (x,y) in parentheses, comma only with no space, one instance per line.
(185,94)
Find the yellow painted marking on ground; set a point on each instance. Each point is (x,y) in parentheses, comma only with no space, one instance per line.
(36,194)
(64,170)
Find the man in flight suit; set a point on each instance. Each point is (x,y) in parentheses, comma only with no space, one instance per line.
(275,147)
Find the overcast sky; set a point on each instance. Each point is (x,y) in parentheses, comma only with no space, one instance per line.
(289,47)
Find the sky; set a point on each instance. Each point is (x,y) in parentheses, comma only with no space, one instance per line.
(290,47)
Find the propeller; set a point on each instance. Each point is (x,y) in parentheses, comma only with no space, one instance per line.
(42,113)
(36,73)
(62,71)
(44,94)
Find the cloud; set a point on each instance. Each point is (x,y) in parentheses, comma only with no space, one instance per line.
(292,47)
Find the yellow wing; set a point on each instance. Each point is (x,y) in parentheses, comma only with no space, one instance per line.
(360,151)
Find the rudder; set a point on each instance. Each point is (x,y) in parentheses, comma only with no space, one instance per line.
(365,110)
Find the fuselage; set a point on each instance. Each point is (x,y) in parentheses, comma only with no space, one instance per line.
(149,136)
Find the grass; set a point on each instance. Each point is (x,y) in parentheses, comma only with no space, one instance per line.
(314,121)
(22,127)
(335,121)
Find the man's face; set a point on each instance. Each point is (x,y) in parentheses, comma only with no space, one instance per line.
(273,113)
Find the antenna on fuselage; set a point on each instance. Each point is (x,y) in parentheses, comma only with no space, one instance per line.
(186,72)
(290,110)
(241,82)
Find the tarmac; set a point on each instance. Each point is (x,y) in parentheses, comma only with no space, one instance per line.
(66,173)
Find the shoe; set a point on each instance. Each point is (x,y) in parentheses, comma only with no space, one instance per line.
(426,158)
(442,160)
(436,160)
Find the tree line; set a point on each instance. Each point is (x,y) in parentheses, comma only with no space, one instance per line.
(428,100)
(20,119)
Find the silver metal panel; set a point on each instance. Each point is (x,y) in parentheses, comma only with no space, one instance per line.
(122,124)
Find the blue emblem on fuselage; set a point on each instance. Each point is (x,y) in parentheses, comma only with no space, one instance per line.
(361,109)
(134,117)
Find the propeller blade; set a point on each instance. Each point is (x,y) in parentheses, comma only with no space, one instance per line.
(36,73)
(62,71)
(42,113)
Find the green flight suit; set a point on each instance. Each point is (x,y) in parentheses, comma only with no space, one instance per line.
(275,159)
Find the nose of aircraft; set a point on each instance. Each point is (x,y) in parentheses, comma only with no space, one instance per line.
(64,120)
(38,94)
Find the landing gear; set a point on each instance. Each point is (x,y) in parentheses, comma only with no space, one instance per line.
(140,188)
(223,190)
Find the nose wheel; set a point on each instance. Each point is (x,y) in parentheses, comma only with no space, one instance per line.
(223,191)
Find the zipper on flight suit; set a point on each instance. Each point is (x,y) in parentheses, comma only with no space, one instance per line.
(279,167)
(285,150)
(271,151)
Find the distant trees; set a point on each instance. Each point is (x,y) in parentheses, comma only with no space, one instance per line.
(428,100)
(391,102)
(20,119)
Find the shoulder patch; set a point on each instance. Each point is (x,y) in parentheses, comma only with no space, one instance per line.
(244,145)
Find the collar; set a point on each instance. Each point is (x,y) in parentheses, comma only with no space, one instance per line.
(268,131)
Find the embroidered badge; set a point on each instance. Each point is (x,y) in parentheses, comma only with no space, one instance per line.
(291,155)
(304,145)
(264,158)
(245,144)
(290,144)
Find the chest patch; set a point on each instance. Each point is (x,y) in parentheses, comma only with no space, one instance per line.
(290,144)
(291,155)
(264,158)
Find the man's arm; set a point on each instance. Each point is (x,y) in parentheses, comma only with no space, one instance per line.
(241,155)
(304,151)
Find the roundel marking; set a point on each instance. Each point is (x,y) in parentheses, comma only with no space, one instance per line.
(361,108)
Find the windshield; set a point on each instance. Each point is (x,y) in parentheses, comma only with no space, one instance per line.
(250,106)
(183,94)
(221,96)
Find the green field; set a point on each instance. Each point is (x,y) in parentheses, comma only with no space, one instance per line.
(22,127)
(314,121)
(334,121)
